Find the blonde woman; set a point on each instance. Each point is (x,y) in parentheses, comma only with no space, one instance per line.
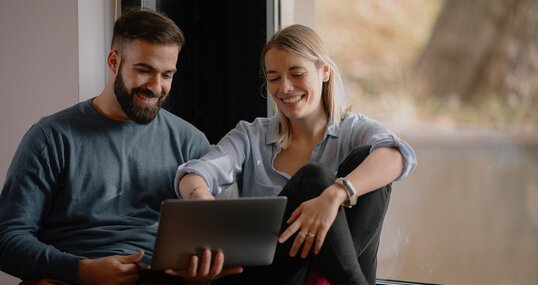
(336,168)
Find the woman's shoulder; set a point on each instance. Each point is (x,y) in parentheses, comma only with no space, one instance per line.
(357,122)
(259,123)
(353,119)
(259,129)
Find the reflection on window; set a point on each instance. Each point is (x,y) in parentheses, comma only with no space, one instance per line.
(457,79)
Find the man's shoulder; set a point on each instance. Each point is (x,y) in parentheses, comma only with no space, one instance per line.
(186,134)
(169,116)
(176,122)
(74,111)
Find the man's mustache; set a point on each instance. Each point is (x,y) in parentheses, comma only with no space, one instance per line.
(146,92)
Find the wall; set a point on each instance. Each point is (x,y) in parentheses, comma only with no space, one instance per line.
(40,65)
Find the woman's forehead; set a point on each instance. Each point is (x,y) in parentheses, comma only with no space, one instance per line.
(277,57)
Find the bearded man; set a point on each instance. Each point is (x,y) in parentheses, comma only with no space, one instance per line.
(81,200)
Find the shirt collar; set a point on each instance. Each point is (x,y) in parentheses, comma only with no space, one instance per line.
(271,137)
(272,131)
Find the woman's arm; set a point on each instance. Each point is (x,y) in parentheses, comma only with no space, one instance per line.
(381,167)
(193,186)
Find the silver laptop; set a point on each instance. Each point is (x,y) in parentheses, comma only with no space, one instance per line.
(245,229)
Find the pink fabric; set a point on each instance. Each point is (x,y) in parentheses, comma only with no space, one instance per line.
(315,278)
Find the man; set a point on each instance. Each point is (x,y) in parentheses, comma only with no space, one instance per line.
(81,200)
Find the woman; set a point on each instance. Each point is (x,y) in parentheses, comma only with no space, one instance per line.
(300,153)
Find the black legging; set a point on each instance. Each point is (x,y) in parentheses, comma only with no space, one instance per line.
(349,252)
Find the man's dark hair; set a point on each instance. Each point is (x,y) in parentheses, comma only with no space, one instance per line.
(147,25)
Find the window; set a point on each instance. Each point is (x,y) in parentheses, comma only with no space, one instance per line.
(457,80)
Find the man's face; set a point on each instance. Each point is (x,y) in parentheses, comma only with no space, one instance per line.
(144,79)
(136,104)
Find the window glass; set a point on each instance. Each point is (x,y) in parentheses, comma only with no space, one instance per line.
(457,80)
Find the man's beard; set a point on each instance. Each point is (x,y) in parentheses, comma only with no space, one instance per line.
(139,113)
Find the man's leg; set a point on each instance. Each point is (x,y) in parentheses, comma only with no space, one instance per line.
(147,277)
(154,277)
(43,282)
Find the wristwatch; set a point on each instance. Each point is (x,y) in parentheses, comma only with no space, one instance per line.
(350,190)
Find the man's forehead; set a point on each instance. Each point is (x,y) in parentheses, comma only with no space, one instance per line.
(154,56)
(149,66)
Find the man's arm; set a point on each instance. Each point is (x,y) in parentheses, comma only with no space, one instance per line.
(24,202)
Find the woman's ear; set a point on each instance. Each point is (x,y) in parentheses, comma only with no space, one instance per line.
(113,61)
(326,73)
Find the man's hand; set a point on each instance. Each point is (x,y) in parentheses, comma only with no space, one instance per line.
(201,270)
(110,270)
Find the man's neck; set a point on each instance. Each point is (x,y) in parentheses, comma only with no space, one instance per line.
(108,106)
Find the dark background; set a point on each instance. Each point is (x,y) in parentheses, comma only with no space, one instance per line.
(218,81)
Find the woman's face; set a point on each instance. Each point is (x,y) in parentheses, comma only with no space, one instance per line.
(295,83)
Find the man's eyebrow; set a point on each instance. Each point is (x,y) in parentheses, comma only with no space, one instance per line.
(149,66)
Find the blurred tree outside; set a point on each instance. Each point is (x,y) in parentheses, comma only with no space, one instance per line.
(482,58)
(456,62)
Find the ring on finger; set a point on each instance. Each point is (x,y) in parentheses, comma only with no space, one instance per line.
(302,234)
(311,234)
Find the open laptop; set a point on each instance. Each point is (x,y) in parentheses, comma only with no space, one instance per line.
(245,229)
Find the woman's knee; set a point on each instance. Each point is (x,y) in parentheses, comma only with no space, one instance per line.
(310,180)
(314,170)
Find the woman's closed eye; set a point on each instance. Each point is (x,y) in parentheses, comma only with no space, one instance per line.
(273,79)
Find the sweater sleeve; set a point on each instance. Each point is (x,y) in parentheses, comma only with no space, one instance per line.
(27,194)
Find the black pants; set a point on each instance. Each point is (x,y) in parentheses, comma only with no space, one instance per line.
(349,253)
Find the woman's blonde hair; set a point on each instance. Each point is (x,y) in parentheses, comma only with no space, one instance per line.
(302,41)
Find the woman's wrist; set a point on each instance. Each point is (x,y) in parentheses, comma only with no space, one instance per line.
(201,192)
(195,192)
(336,194)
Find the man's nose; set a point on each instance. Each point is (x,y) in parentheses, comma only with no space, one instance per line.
(155,84)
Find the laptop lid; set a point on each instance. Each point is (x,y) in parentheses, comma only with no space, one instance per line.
(246,230)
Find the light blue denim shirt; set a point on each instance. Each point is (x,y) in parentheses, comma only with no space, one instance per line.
(246,154)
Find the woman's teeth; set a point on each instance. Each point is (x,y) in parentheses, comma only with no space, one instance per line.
(292,100)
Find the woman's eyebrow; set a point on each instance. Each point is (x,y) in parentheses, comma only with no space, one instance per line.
(290,69)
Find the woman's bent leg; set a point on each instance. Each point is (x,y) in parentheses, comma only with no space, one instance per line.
(366,218)
(337,249)
(306,184)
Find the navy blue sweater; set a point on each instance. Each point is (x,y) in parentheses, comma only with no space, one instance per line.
(82,185)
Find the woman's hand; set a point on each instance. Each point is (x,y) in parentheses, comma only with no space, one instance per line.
(312,220)
(205,268)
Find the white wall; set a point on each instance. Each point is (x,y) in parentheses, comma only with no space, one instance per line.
(44,47)
(95,23)
(38,66)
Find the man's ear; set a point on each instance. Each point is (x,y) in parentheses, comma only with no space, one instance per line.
(113,61)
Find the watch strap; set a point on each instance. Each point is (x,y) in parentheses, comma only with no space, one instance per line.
(350,191)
